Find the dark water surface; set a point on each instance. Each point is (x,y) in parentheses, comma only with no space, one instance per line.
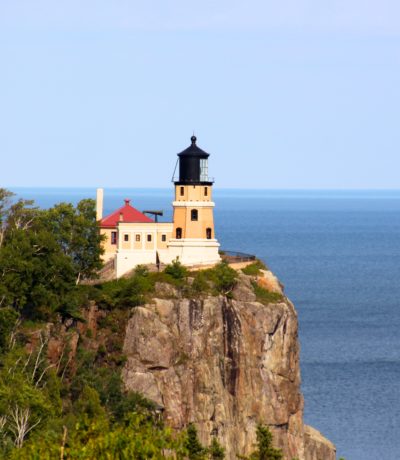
(338,254)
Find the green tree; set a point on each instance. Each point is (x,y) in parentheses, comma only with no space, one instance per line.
(8,321)
(45,253)
(216,451)
(195,449)
(89,404)
(29,396)
(35,273)
(77,232)
(5,203)
(265,450)
(138,438)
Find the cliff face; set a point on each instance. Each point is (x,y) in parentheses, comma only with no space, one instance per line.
(224,364)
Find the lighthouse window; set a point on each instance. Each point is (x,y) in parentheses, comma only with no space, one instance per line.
(137,237)
(178,233)
(163,237)
(182,191)
(208,233)
(126,237)
(205,191)
(194,215)
(113,237)
(204,170)
(149,238)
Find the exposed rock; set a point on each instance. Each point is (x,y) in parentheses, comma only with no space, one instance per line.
(317,447)
(166,290)
(244,290)
(270,282)
(225,364)
(91,316)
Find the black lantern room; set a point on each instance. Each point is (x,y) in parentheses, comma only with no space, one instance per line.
(193,166)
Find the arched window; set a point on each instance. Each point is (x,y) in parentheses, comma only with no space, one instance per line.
(194,214)
(209,233)
(178,233)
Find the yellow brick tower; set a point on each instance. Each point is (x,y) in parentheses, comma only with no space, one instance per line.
(193,239)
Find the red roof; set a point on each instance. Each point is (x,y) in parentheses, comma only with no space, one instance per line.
(125,214)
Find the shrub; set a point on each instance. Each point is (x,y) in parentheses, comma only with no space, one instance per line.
(223,277)
(200,283)
(125,292)
(176,270)
(220,279)
(141,270)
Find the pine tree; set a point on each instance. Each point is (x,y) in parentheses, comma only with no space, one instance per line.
(216,451)
(265,450)
(194,448)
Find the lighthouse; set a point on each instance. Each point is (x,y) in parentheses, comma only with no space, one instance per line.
(132,238)
(193,239)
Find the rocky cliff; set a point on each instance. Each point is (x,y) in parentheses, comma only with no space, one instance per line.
(226,364)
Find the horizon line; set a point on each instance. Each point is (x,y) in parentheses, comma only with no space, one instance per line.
(69,187)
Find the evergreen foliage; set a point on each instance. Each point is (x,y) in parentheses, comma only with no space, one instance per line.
(176,270)
(220,279)
(265,450)
(195,449)
(216,451)
(200,282)
(224,277)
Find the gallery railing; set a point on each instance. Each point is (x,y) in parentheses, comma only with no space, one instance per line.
(235,256)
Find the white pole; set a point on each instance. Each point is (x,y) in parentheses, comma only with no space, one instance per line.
(99,203)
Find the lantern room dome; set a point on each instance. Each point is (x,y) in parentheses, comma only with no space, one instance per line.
(193,150)
(193,166)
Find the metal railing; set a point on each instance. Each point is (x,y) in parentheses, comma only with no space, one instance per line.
(235,256)
(202,179)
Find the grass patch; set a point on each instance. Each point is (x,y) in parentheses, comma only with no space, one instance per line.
(265,297)
(254,268)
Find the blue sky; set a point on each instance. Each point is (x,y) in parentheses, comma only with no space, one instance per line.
(288,94)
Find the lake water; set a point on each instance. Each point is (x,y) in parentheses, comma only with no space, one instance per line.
(338,254)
